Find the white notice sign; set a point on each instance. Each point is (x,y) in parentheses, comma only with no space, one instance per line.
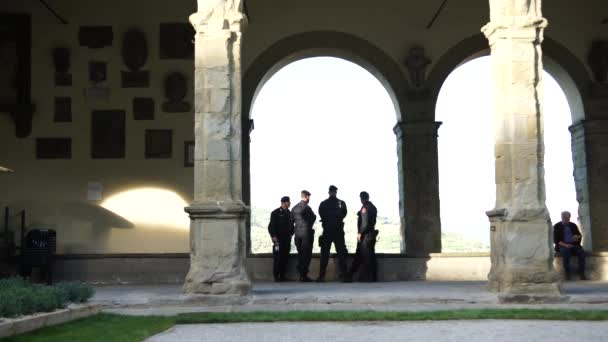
(94,191)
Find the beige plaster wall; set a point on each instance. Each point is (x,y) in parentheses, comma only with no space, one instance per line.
(54,192)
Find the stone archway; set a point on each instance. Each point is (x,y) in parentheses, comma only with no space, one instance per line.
(322,44)
(521,249)
(574,80)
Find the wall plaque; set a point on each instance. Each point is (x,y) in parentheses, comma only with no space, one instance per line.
(159,143)
(108,134)
(63,109)
(95,37)
(53,148)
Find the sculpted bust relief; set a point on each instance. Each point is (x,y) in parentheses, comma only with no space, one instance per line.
(214,13)
(520,8)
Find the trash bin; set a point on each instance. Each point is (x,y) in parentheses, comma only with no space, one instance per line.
(39,248)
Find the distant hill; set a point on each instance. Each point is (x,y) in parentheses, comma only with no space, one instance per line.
(389,239)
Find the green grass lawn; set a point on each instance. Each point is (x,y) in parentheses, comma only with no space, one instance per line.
(117,328)
(101,327)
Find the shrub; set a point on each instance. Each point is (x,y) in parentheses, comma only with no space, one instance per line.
(19,297)
(76,292)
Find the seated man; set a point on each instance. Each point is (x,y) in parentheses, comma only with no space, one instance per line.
(567,239)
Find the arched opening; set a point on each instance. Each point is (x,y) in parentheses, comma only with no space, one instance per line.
(322,121)
(466,152)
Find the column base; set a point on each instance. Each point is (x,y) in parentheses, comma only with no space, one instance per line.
(522,256)
(218,249)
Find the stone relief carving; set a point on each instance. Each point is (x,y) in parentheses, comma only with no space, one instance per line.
(416,63)
(134,54)
(63,109)
(61,61)
(598,60)
(176,87)
(97,72)
(99,90)
(95,37)
(217,15)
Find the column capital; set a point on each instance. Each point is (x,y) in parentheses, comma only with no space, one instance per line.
(590,127)
(217,210)
(214,16)
(515,28)
(416,128)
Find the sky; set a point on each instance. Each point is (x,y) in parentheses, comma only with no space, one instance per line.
(322,121)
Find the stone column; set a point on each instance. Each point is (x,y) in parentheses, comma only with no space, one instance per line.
(521,232)
(589,148)
(218,214)
(419,191)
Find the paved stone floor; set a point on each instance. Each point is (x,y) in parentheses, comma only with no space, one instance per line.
(398,296)
(470,331)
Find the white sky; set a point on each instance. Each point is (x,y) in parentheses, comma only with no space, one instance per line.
(323,121)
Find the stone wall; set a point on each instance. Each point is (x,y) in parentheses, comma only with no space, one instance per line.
(159,269)
(54,191)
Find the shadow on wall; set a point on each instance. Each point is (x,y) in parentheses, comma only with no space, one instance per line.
(145,220)
(76,223)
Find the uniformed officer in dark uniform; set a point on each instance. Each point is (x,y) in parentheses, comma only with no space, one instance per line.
(304,234)
(366,239)
(280,229)
(332,212)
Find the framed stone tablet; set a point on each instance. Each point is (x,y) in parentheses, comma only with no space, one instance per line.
(63,109)
(143,108)
(95,37)
(189,153)
(53,148)
(61,61)
(159,143)
(108,134)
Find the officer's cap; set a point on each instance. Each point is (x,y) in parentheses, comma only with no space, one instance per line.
(285,199)
(305,193)
(333,188)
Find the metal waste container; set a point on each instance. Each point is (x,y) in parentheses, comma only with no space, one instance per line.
(39,248)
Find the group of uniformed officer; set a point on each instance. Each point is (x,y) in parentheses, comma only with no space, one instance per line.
(299,223)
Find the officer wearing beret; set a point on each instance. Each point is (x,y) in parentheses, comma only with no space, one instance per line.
(332,212)
(281,229)
(366,239)
(304,234)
